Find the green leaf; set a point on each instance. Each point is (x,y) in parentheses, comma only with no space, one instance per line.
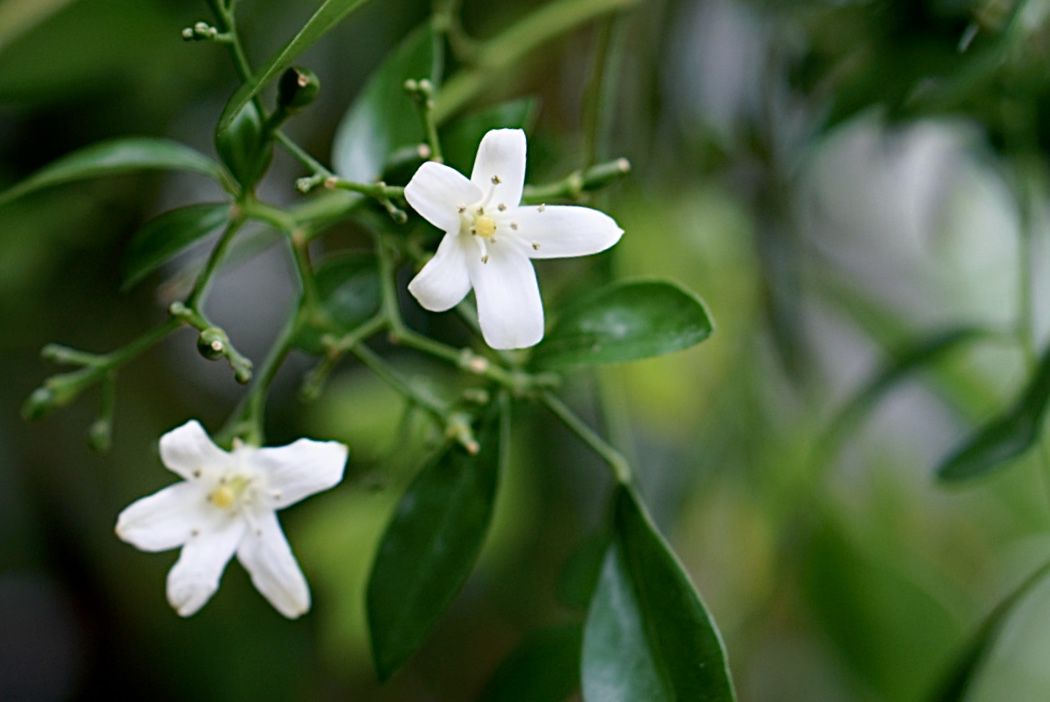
(904,362)
(1004,437)
(579,575)
(648,635)
(327,16)
(459,142)
(545,667)
(348,286)
(168,234)
(623,322)
(382,118)
(113,158)
(964,669)
(431,544)
(245,147)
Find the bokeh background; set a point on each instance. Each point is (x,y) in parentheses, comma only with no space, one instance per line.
(836,179)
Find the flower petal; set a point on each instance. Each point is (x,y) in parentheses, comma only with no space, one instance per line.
(510,310)
(501,155)
(437,192)
(265,554)
(187,451)
(564,230)
(300,469)
(444,281)
(165,519)
(195,576)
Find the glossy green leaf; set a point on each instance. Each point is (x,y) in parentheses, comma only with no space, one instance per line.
(431,544)
(459,142)
(245,148)
(964,669)
(623,322)
(113,158)
(348,286)
(903,363)
(1004,437)
(166,235)
(383,118)
(648,635)
(545,667)
(327,16)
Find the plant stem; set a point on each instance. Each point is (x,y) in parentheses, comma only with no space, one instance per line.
(620,469)
(200,288)
(506,50)
(394,379)
(574,185)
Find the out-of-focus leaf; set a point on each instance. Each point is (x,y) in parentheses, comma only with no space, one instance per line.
(965,667)
(1006,436)
(905,361)
(579,576)
(115,157)
(168,234)
(545,667)
(382,118)
(349,289)
(648,635)
(459,142)
(625,321)
(20,16)
(431,543)
(327,16)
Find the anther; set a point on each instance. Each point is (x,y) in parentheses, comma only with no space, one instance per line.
(514,226)
(496,180)
(474,231)
(541,208)
(197,473)
(535,246)
(461,209)
(501,207)
(485,258)
(481,210)
(195,532)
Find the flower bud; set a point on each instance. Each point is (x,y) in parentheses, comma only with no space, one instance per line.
(100,435)
(39,403)
(212,343)
(245,146)
(297,88)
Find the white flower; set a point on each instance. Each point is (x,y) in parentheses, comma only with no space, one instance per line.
(226,505)
(490,237)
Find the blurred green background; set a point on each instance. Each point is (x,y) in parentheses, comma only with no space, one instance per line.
(835,179)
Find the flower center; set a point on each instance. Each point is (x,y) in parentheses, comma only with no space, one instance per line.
(229,492)
(484,226)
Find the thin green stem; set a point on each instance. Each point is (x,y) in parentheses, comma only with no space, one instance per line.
(394,379)
(592,110)
(506,50)
(574,185)
(200,288)
(621,470)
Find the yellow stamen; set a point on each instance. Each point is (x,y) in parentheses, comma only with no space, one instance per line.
(222,497)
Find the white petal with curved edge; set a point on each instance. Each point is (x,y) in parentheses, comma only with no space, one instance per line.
(444,280)
(501,154)
(300,469)
(564,230)
(195,576)
(165,519)
(187,449)
(265,554)
(510,310)
(437,192)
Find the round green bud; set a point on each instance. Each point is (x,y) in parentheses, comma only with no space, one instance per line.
(297,88)
(100,435)
(212,343)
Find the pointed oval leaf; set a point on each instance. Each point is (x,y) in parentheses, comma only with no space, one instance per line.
(1004,437)
(348,286)
(382,118)
(624,322)
(115,157)
(648,635)
(459,142)
(168,234)
(545,667)
(431,544)
(327,16)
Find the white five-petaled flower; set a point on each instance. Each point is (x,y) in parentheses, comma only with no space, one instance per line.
(490,237)
(226,505)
